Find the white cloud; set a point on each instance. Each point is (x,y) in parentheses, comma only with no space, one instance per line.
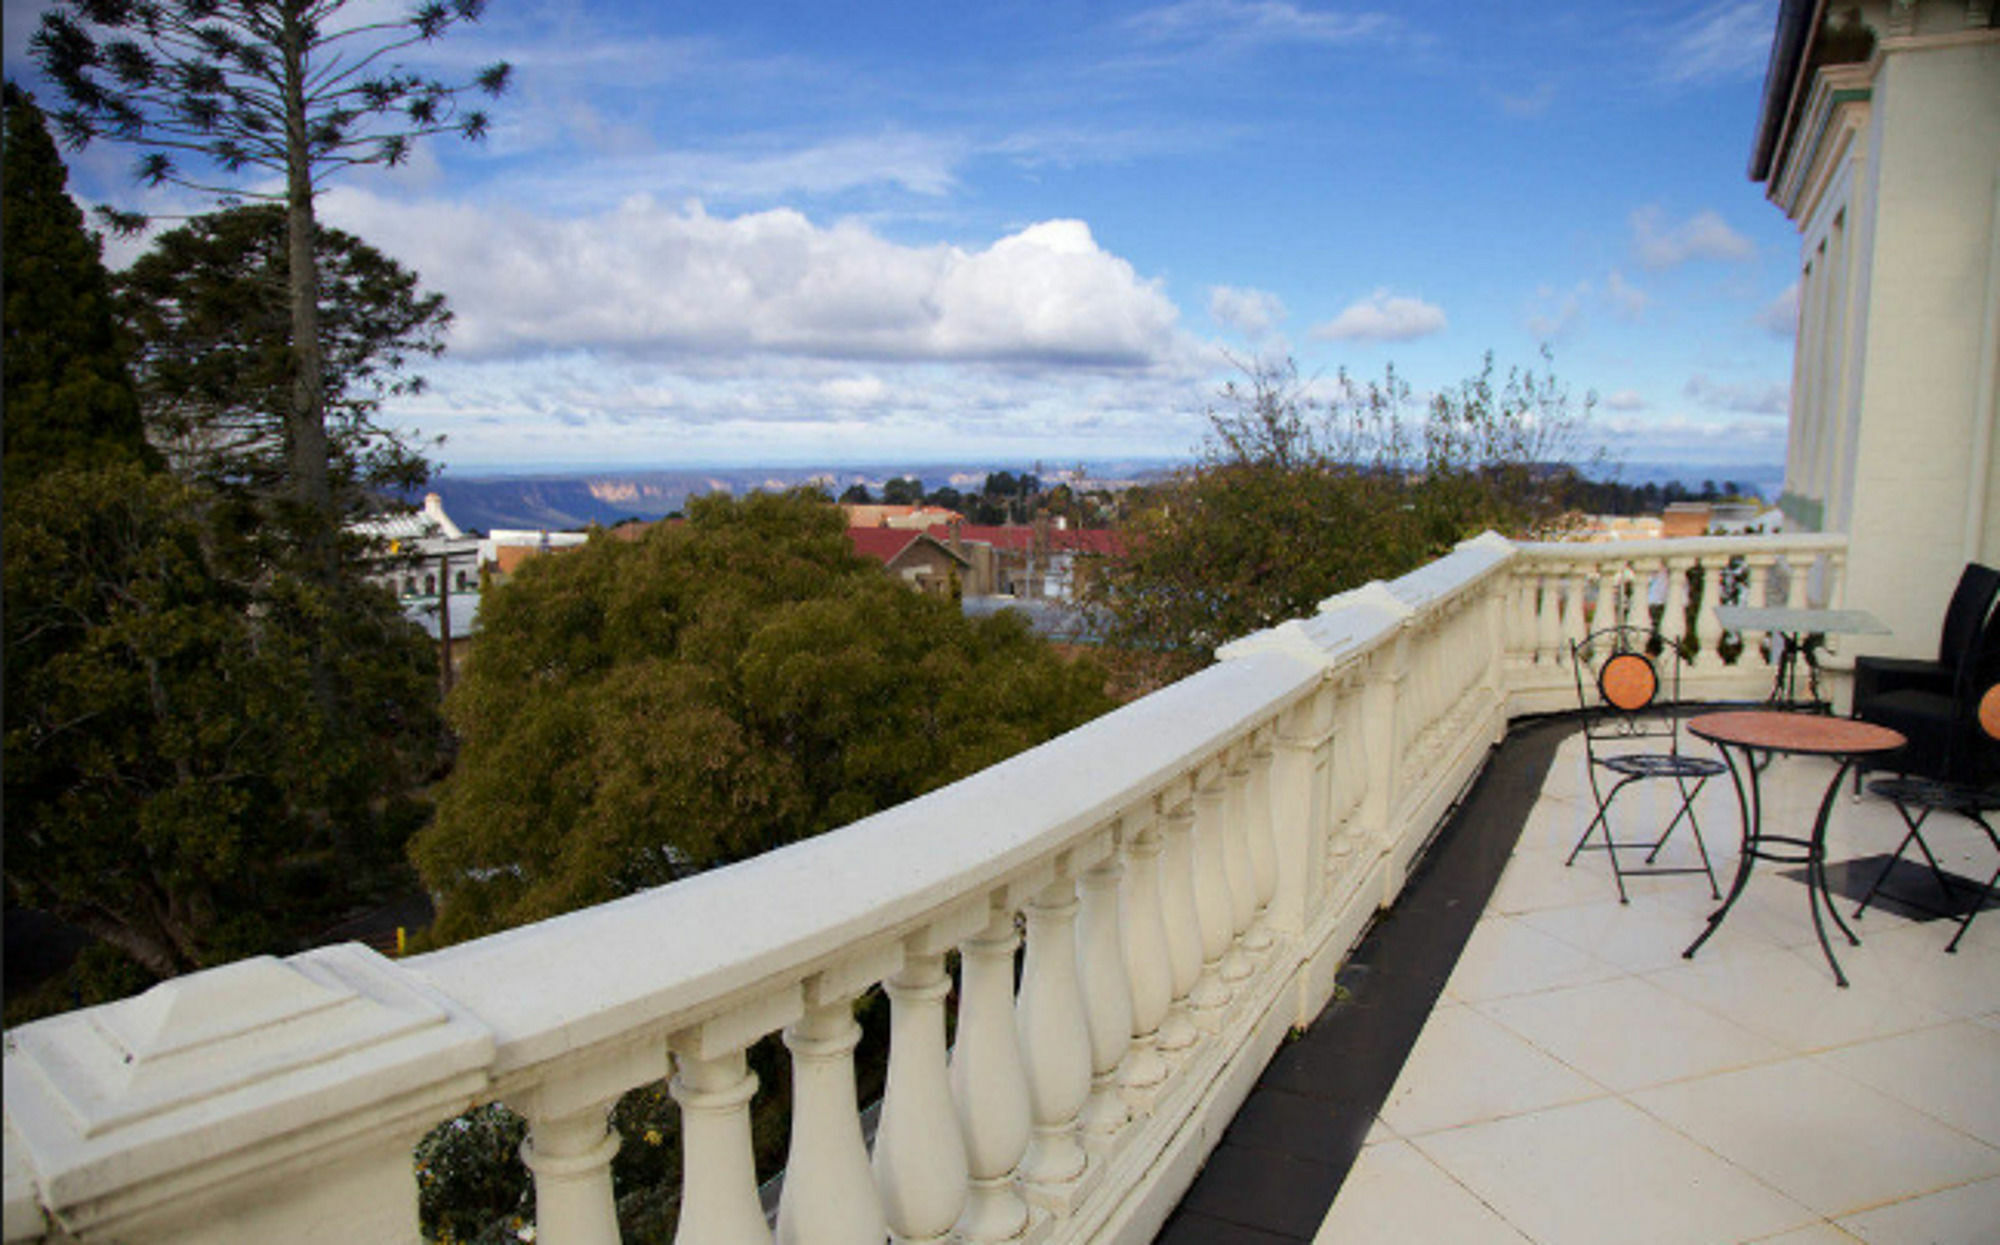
(1531,103)
(1625,400)
(1244,23)
(581,407)
(658,281)
(1693,440)
(1780,316)
(1383,316)
(923,164)
(1730,40)
(1554,313)
(1756,399)
(1705,235)
(1628,301)
(1253,313)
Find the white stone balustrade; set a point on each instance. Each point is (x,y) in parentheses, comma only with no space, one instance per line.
(1272,802)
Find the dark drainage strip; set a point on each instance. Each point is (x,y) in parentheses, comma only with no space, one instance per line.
(1275,1172)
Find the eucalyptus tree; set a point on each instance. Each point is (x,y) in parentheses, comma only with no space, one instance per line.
(1298,496)
(262,99)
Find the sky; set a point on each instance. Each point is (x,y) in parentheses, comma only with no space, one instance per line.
(1048,231)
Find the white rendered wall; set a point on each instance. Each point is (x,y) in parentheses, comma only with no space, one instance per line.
(1922,494)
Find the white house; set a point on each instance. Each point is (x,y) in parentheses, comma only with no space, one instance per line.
(1880,138)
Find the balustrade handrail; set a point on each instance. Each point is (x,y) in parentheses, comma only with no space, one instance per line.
(1597,551)
(1242,825)
(770,918)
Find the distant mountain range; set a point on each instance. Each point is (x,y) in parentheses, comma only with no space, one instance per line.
(568,501)
(565,501)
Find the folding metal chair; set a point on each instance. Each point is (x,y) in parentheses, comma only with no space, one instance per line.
(1624,713)
(1916,799)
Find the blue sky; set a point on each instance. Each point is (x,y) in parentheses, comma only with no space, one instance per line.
(835,233)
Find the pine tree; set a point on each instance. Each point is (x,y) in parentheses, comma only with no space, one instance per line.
(69,398)
(295,90)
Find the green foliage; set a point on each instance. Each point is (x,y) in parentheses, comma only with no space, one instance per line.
(638,711)
(68,395)
(164,771)
(1298,499)
(207,307)
(471,1187)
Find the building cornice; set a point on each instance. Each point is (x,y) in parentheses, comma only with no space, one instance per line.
(1798,20)
(1836,109)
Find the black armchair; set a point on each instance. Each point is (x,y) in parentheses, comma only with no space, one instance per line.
(1936,704)
(1964,619)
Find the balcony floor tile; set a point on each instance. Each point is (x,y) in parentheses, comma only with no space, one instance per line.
(1824,1139)
(1962,1216)
(1396,1195)
(1606,1171)
(1514,1076)
(1742,1096)
(1628,1034)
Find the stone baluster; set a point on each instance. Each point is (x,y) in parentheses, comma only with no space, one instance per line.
(829,1196)
(1673,613)
(1107,991)
(1573,621)
(1794,588)
(719,1204)
(1055,1041)
(1758,565)
(1263,840)
(570,1158)
(919,1161)
(988,1081)
(570,1140)
(1351,778)
(1513,591)
(1419,707)
(1549,644)
(1610,595)
(1211,900)
(1299,758)
(1709,656)
(1764,572)
(1521,613)
(1147,967)
(1239,873)
(1183,923)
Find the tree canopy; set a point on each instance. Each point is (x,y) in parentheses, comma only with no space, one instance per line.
(639,710)
(1298,497)
(69,397)
(164,775)
(206,307)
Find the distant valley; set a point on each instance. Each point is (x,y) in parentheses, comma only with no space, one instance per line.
(567,501)
(571,500)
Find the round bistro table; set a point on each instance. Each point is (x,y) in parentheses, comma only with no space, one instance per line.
(1750,733)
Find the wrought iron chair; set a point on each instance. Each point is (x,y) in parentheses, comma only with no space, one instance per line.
(1917,798)
(1630,737)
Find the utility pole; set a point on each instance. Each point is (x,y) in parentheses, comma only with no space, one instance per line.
(444,621)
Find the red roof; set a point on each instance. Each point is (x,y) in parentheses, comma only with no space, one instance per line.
(881,543)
